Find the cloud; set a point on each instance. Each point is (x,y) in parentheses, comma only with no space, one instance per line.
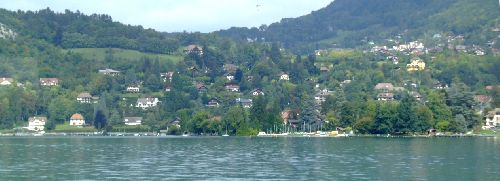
(174,15)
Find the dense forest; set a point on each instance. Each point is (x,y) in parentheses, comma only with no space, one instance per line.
(208,84)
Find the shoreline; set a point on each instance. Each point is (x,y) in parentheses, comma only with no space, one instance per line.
(150,134)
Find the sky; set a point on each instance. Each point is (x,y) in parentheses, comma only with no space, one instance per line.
(181,15)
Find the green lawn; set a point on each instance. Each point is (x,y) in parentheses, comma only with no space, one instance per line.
(489,132)
(66,128)
(100,53)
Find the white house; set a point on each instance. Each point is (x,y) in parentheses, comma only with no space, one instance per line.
(284,77)
(76,120)
(257,92)
(132,121)
(6,81)
(492,119)
(49,81)
(147,102)
(133,88)
(37,123)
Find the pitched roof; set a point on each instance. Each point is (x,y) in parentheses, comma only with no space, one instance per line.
(76,117)
(41,118)
(84,95)
(380,86)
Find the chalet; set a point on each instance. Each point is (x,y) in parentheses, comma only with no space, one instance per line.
(284,76)
(49,82)
(109,72)
(492,119)
(213,103)
(385,96)
(76,120)
(201,87)
(145,103)
(245,103)
(491,87)
(250,78)
(37,123)
(167,76)
(384,87)
(415,65)
(345,82)
(132,121)
(257,92)
(168,88)
(196,49)
(85,97)
(232,87)
(133,88)
(6,81)
(324,69)
(230,68)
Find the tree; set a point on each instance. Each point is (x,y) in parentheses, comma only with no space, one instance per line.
(423,119)
(100,120)
(458,125)
(406,116)
(310,114)
(385,118)
(461,101)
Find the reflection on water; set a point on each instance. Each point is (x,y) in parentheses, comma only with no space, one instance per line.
(229,158)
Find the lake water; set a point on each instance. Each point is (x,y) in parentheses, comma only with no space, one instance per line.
(244,158)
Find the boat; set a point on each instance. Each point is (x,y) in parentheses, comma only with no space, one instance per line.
(226,133)
(185,134)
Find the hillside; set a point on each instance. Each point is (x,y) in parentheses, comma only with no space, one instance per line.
(350,23)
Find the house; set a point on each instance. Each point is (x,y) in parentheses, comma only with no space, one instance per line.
(229,76)
(230,68)
(324,69)
(461,48)
(438,85)
(416,95)
(49,82)
(245,103)
(133,88)
(385,96)
(196,49)
(168,88)
(415,65)
(257,92)
(85,97)
(76,120)
(213,103)
(6,81)
(492,119)
(201,87)
(109,72)
(37,123)
(145,103)
(384,87)
(345,82)
(250,78)
(285,115)
(284,76)
(232,87)
(320,97)
(132,121)
(483,101)
(167,76)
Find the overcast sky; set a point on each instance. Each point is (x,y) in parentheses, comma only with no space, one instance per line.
(180,15)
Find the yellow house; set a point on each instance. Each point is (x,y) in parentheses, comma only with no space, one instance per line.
(415,65)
